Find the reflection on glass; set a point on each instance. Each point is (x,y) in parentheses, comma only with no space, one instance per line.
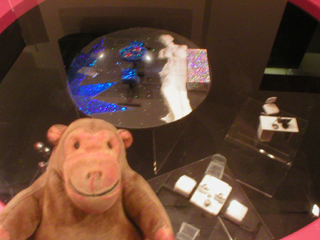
(187,232)
(315,210)
(216,166)
(116,77)
(174,79)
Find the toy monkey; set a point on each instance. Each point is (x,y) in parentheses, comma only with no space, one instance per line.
(88,191)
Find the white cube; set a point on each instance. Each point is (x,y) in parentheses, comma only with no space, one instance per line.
(185,185)
(270,108)
(236,211)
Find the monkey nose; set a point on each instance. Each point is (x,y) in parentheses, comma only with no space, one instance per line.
(94,175)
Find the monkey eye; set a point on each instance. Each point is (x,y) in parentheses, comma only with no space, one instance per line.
(109,145)
(76,145)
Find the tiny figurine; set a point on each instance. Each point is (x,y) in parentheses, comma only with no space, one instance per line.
(174,79)
(87,192)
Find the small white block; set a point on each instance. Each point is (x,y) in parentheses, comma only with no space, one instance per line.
(270,107)
(185,185)
(236,211)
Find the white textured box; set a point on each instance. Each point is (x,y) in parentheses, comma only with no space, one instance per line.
(211,194)
(236,211)
(185,185)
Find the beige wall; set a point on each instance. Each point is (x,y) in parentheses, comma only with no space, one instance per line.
(238,34)
(53,13)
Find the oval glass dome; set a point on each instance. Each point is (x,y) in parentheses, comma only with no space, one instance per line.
(139,77)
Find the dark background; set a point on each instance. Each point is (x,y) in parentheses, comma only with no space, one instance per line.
(242,38)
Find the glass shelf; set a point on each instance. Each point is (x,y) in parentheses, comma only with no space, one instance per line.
(260,165)
(180,209)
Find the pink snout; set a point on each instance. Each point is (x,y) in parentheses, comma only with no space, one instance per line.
(92,177)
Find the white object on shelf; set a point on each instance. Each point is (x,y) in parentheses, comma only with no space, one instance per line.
(270,107)
(211,194)
(236,211)
(266,130)
(187,232)
(185,185)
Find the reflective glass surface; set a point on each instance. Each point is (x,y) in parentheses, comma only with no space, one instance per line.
(139,77)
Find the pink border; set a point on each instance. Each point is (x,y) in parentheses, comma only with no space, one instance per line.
(311,231)
(310,6)
(11,10)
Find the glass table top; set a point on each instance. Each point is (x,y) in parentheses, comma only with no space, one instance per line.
(257,49)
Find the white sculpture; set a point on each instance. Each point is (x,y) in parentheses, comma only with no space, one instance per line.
(174,78)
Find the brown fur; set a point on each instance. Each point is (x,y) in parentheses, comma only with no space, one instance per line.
(46,211)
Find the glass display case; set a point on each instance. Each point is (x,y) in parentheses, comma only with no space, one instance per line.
(211,226)
(121,77)
(259,154)
(65,59)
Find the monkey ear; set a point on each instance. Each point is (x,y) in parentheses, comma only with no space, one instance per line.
(55,132)
(126,137)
